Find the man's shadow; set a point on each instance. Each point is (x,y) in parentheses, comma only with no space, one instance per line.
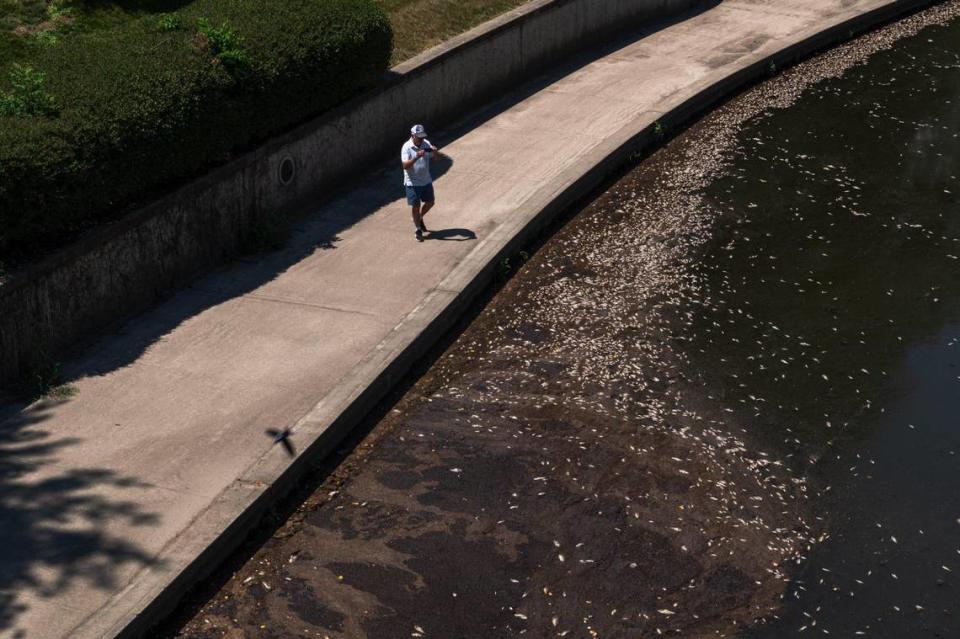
(439,166)
(455,235)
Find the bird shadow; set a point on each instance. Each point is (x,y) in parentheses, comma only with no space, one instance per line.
(282,437)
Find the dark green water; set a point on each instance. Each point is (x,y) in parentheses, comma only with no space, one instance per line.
(834,332)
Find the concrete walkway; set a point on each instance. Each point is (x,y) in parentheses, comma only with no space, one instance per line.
(109,496)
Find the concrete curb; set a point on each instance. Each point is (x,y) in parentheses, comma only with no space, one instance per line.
(217,531)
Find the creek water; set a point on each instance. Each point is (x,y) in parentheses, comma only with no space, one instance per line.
(831,333)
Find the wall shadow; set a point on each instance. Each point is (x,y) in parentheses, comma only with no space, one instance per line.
(52,533)
(317,231)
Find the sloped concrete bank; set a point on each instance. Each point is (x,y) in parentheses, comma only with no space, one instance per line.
(126,267)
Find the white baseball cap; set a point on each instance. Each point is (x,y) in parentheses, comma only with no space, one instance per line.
(418,131)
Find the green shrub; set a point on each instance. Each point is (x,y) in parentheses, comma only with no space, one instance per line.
(222,38)
(140,109)
(57,11)
(26,96)
(225,46)
(169,22)
(47,38)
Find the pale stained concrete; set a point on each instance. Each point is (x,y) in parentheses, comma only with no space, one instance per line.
(171,413)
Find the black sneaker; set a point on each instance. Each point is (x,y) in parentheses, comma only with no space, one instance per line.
(419,235)
(423,227)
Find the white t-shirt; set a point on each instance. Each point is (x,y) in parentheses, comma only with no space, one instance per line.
(419,173)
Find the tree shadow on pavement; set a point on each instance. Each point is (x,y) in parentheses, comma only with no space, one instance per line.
(53,528)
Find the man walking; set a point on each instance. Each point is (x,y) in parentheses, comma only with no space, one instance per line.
(415,158)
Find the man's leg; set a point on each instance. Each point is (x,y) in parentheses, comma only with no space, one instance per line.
(424,208)
(427,198)
(417,215)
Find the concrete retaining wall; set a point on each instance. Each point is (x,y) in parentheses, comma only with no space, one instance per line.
(124,268)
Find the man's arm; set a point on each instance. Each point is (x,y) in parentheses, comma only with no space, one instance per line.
(408,164)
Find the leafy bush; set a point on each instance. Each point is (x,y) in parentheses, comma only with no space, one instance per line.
(225,45)
(103,120)
(26,96)
(169,22)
